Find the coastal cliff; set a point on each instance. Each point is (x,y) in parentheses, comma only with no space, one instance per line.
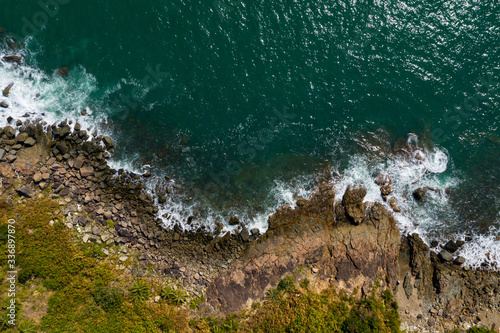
(334,240)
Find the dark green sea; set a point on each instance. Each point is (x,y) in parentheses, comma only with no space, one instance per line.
(246,105)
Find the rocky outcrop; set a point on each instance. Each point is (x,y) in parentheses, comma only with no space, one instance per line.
(313,236)
(353,202)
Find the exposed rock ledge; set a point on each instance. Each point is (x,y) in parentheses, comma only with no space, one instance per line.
(317,233)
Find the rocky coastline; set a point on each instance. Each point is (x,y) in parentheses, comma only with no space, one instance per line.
(332,239)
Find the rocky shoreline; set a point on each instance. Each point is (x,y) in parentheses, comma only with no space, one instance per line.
(332,238)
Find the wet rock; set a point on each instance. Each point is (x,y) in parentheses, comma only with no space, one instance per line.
(77,127)
(451,246)
(245,234)
(63,71)
(420,193)
(459,261)
(108,142)
(394,205)
(445,256)
(434,243)
(13,59)
(25,192)
(6,90)
(353,202)
(233,220)
(347,256)
(4,105)
(64,131)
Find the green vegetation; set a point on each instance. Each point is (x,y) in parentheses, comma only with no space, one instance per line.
(78,291)
(140,291)
(173,296)
(110,224)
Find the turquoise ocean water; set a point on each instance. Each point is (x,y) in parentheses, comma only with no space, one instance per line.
(246,104)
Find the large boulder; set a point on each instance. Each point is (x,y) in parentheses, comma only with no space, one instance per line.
(309,236)
(353,202)
(25,191)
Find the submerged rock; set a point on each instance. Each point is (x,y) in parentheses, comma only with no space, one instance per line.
(233,220)
(13,59)
(6,91)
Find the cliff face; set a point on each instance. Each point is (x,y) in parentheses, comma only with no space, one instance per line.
(318,235)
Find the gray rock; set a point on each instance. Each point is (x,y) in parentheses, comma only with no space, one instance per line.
(104,237)
(408,288)
(459,261)
(11,158)
(4,105)
(445,256)
(2,153)
(255,232)
(96,231)
(123,258)
(25,191)
(244,234)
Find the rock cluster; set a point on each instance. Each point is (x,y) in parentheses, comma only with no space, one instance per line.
(312,235)
(106,205)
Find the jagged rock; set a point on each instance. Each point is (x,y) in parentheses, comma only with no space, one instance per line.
(6,91)
(2,154)
(11,158)
(37,177)
(451,246)
(233,220)
(96,231)
(407,285)
(420,264)
(30,142)
(25,191)
(21,137)
(62,147)
(64,132)
(244,234)
(78,163)
(347,256)
(459,261)
(108,142)
(4,104)
(445,256)
(394,205)
(420,193)
(353,202)
(86,171)
(13,59)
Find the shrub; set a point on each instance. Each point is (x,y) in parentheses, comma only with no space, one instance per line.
(109,299)
(286,283)
(110,224)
